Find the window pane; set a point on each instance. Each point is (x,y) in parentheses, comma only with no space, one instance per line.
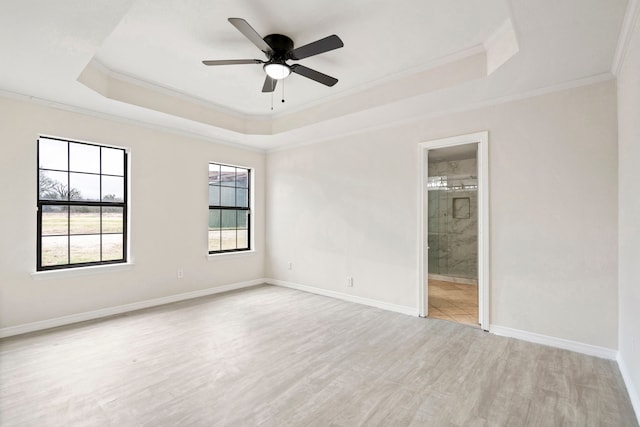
(53,185)
(112,247)
(214,229)
(214,195)
(214,174)
(227,196)
(228,219)
(112,220)
(228,176)
(228,187)
(229,224)
(214,219)
(85,225)
(242,178)
(228,239)
(243,219)
(52,154)
(85,220)
(84,158)
(214,240)
(112,161)
(112,189)
(242,197)
(55,251)
(243,239)
(84,186)
(85,248)
(55,220)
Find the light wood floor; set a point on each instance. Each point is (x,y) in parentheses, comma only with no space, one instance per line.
(453,301)
(270,356)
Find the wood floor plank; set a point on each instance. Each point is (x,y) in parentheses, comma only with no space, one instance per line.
(269,356)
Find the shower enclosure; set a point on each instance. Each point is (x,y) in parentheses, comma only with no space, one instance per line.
(453,222)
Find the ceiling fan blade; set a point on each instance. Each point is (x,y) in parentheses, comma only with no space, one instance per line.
(313,75)
(317,47)
(269,84)
(248,31)
(232,62)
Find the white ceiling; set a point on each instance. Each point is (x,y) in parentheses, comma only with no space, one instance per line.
(157,45)
(164,41)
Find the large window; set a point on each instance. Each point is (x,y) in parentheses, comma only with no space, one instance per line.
(229,214)
(82,204)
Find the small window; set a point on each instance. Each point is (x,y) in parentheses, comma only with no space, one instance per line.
(229,213)
(82,204)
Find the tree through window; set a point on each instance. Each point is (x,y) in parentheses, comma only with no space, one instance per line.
(82,204)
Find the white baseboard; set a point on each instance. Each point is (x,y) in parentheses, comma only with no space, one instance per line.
(110,311)
(634,392)
(588,349)
(591,350)
(412,311)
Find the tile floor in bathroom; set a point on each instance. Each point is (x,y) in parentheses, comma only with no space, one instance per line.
(453,301)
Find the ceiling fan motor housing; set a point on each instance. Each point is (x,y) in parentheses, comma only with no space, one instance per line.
(281,46)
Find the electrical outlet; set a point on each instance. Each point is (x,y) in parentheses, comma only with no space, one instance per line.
(180,273)
(350,281)
(290,266)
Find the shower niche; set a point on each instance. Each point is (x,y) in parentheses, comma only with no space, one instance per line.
(453,219)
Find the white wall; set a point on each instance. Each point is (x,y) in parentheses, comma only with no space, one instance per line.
(349,207)
(629,226)
(169,216)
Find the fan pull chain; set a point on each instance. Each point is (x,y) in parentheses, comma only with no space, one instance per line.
(283,90)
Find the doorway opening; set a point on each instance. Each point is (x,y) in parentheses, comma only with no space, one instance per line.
(454,268)
(452,233)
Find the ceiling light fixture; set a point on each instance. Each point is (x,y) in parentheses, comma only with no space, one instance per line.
(277,70)
(279,49)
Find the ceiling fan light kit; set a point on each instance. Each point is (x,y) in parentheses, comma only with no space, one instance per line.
(276,70)
(279,49)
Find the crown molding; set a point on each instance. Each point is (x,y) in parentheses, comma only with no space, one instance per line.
(451,70)
(172,92)
(241,141)
(404,74)
(587,81)
(222,140)
(628,27)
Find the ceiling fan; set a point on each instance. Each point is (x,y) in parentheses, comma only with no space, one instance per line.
(279,49)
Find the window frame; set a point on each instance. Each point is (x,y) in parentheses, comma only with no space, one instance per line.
(69,204)
(237,209)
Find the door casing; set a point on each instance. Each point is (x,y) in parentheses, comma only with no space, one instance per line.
(482,140)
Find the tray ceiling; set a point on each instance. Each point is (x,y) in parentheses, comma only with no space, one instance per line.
(141,59)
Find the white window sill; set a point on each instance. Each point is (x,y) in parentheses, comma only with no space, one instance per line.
(80,271)
(230,255)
